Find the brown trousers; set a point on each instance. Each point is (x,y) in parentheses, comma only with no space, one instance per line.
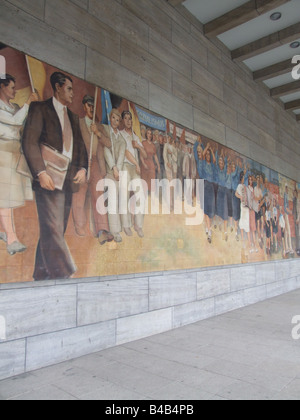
(79,208)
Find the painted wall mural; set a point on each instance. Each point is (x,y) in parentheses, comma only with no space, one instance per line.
(93,185)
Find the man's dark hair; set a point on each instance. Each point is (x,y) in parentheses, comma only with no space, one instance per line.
(6,81)
(242,175)
(59,78)
(124,113)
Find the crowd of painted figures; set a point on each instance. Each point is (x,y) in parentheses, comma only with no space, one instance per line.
(236,198)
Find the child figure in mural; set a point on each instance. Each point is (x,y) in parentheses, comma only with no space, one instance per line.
(258,197)
(298,224)
(269,228)
(236,204)
(282,227)
(14,187)
(287,213)
(296,214)
(251,200)
(275,220)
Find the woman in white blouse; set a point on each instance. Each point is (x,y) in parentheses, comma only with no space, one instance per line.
(14,188)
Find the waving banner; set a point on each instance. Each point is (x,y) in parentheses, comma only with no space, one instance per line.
(150,120)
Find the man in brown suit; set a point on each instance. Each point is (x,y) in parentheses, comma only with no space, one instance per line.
(52,123)
(99,222)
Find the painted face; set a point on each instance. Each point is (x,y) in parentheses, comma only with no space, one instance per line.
(65,93)
(9,92)
(127,122)
(115,121)
(149,135)
(89,110)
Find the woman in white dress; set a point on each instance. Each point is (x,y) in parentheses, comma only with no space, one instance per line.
(14,188)
(241,193)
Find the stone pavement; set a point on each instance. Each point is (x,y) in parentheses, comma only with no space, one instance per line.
(245,354)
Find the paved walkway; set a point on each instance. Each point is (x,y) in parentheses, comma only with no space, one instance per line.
(246,354)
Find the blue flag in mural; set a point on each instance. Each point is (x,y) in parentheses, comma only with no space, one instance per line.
(106,106)
(152,121)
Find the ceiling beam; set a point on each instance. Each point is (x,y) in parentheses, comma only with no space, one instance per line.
(236,17)
(287,89)
(292,106)
(275,70)
(267,43)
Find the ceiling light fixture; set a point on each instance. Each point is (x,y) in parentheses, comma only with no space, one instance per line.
(295,44)
(276,16)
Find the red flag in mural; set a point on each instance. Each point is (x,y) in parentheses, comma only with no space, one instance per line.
(182,138)
(168,126)
(174,132)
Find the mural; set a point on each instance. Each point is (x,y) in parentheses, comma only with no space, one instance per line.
(92,185)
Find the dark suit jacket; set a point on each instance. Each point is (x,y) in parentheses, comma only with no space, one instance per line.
(43,127)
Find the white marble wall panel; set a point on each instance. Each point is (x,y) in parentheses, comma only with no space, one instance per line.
(12,358)
(229,302)
(294,268)
(172,290)
(144,325)
(255,294)
(98,302)
(275,289)
(265,273)
(282,269)
(193,312)
(48,349)
(243,278)
(213,283)
(38,310)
